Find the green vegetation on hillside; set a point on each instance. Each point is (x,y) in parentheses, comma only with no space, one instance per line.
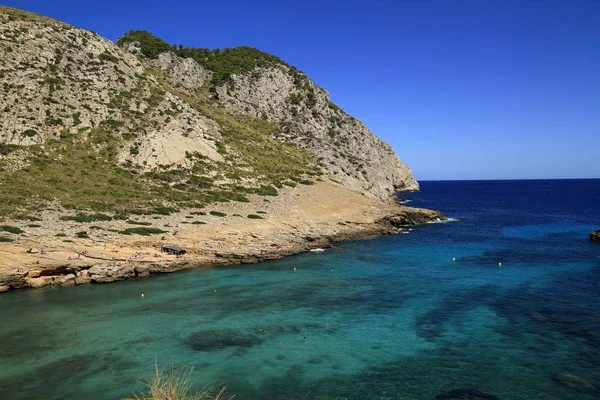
(222,63)
(81,168)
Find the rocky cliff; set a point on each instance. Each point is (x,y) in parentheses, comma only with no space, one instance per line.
(272,90)
(88,124)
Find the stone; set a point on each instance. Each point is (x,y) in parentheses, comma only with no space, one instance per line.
(33,250)
(4,288)
(142,270)
(595,236)
(68,280)
(36,282)
(104,274)
(34,273)
(574,382)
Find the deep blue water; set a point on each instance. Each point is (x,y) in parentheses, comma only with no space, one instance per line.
(386,318)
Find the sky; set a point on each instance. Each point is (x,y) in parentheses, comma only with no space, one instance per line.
(461,89)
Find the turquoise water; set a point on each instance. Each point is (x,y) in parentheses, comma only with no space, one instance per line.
(386,318)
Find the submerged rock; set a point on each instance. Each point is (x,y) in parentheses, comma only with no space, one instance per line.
(211,340)
(465,393)
(595,236)
(573,381)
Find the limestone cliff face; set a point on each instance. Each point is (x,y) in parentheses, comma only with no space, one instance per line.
(345,148)
(58,82)
(349,152)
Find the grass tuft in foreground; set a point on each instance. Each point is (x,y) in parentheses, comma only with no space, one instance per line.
(176,384)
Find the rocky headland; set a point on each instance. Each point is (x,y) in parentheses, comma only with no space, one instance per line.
(108,151)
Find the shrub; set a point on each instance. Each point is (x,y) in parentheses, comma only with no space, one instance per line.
(82,235)
(86,217)
(11,229)
(164,210)
(142,231)
(266,191)
(176,384)
(254,216)
(217,214)
(29,133)
(5,239)
(132,222)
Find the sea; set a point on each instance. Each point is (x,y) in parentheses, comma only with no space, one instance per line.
(503,300)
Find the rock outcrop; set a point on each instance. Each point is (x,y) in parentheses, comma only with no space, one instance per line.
(59,82)
(595,236)
(349,152)
(344,147)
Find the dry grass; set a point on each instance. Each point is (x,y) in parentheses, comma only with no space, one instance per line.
(176,384)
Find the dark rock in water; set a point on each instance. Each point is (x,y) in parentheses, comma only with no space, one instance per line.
(595,235)
(573,381)
(465,393)
(220,339)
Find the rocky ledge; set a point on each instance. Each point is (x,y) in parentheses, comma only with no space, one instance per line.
(124,263)
(298,220)
(595,236)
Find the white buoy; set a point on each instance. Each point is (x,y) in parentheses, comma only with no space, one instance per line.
(142,295)
(499,265)
(453,259)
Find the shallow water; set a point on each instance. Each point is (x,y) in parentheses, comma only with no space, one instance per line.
(387,318)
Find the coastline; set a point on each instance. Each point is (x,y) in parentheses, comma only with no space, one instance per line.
(296,221)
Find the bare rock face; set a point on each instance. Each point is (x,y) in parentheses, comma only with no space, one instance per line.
(344,146)
(59,82)
(183,72)
(595,235)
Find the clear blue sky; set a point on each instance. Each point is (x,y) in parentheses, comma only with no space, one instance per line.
(461,89)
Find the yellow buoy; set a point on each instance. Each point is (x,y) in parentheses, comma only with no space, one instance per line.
(500,265)
(294,268)
(142,294)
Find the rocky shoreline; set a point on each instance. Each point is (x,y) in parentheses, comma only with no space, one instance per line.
(43,261)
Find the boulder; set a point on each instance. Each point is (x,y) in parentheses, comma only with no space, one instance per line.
(68,280)
(595,236)
(34,273)
(574,382)
(4,288)
(110,273)
(142,270)
(36,282)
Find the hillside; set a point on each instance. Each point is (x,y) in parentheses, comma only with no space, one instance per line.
(131,145)
(260,85)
